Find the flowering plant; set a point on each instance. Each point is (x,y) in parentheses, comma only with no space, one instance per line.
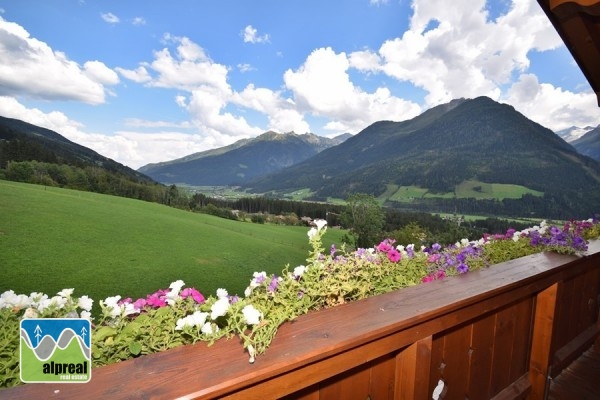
(180,315)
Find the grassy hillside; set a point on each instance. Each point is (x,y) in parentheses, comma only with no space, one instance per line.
(102,245)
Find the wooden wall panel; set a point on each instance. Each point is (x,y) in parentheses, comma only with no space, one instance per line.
(481,355)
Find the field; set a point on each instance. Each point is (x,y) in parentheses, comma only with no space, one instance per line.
(101,245)
(467,189)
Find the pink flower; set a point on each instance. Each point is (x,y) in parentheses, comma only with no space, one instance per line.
(195,294)
(157,299)
(427,278)
(139,304)
(393,255)
(385,246)
(433,258)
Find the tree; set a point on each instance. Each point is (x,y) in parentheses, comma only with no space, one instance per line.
(365,219)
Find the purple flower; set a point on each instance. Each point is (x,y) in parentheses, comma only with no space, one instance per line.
(332,249)
(274,283)
(462,268)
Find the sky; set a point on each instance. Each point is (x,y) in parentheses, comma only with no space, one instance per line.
(144,81)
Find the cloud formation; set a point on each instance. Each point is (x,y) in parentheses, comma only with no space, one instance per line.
(250,35)
(29,67)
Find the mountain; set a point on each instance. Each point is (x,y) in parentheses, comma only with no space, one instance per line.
(589,144)
(465,140)
(21,141)
(573,133)
(242,161)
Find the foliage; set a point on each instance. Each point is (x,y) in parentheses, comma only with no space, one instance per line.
(365,219)
(181,315)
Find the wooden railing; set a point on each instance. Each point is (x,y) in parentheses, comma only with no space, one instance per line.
(498,333)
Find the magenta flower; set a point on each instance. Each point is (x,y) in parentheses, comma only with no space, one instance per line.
(195,294)
(139,304)
(385,246)
(157,299)
(393,255)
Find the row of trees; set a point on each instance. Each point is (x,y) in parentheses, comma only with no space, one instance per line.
(87,178)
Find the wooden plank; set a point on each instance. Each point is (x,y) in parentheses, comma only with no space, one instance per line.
(457,344)
(383,377)
(437,367)
(503,349)
(542,341)
(518,390)
(480,357)
(352,385)
(523,332)
(412,370)
(572,350)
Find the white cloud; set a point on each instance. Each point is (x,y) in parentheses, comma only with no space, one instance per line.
(461,53)
(139,75)
(281,113)
(189,69)
(245,68)
(322,86)
(378,2)
(110,18)
(138,21)
(250,35)
(550,106)
(30,67)
(133,149)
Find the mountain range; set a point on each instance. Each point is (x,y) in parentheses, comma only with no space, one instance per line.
(241,161)
(420,164)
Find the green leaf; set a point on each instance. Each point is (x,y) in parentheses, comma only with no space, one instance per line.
(135,348)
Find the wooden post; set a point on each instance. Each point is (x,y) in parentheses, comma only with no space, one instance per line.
(541,346)
(413,365)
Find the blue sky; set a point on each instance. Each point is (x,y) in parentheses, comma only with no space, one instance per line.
(147,81)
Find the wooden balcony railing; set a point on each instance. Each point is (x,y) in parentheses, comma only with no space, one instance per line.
(498,333)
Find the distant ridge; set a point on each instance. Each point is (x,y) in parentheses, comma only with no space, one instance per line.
(242,161)
(589,144)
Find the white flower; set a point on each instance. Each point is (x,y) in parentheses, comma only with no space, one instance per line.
(86,314)
(299,271)
(30,313)
(58,301)
(112,304)
(66,292)
(321,223)
(251,315)
(207,328)
(173,295)
(182,323)
(221,293)
(129,309)
(312,232)
(248,291)
(85,303)
(196,319)
(176,286)
(219,308)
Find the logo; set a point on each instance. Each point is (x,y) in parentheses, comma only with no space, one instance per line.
(56,350)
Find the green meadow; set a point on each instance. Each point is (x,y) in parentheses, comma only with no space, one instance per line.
(467,189)
(52,238)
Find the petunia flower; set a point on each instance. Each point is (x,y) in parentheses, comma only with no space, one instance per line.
(219,308)
(251,315)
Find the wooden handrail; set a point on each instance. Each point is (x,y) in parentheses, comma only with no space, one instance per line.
(396,343)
